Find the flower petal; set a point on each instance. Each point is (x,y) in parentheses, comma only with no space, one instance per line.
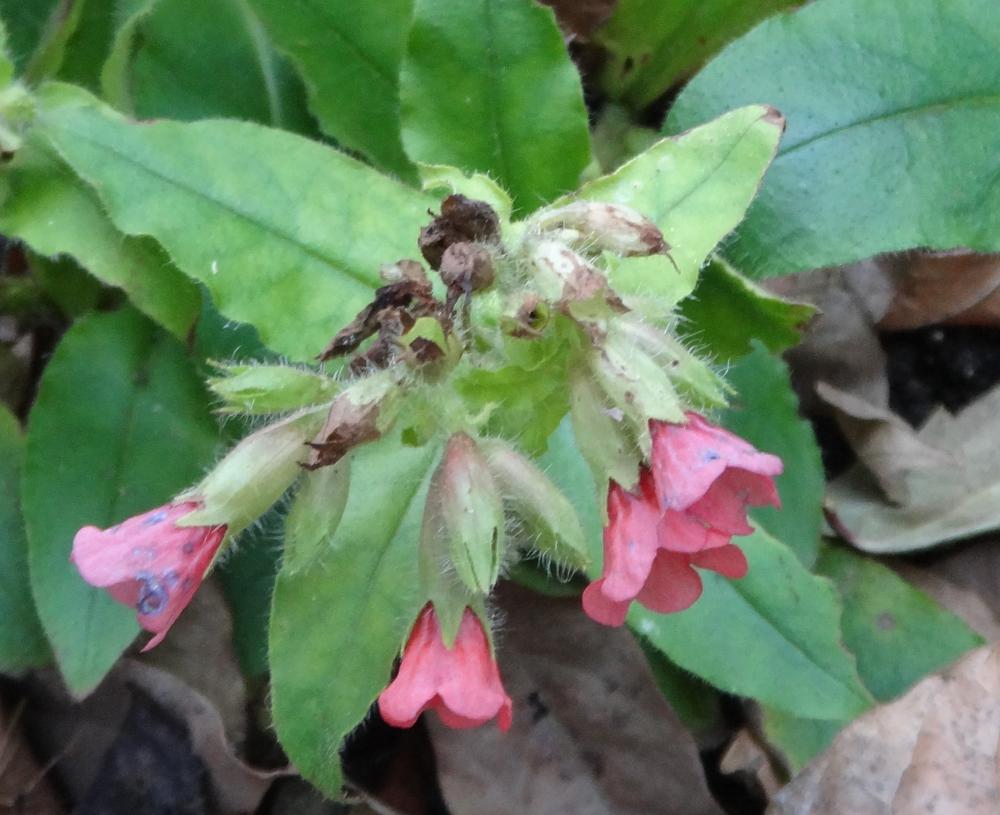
(602,609)
(630,542)
(672,585)
(472,689)
(729,561)
(415,686)
(149,563)
(688,458)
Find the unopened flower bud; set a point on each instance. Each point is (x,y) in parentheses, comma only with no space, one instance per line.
(262,389)
(315,515)
(253,475)
(471,513)
(548,514)
(614,227)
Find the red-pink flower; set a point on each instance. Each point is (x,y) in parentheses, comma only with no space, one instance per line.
(689,503)
(149,563)
(461,683)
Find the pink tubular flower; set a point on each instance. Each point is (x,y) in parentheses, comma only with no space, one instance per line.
(689,503)
(461,683)
(149,563)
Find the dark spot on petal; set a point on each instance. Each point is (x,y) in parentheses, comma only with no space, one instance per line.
(186,583)
(170,578)
(709,455)
(155,518)
(153,597)
(188,548)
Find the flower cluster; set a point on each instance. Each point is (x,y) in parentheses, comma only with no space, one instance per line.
(689,503)
(421,367)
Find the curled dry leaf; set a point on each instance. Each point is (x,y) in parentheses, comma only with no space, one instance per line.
(592,734)
(933,750)
(886,446)
(840,346)
(949,501)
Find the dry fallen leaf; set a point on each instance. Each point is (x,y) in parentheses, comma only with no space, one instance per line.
(946,503)
(840,346)
(946,287)
(746,754)
(885,445)
(592,734)
(935,750)
(200,652)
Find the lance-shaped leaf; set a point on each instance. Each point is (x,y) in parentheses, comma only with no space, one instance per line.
(22,642)
(337,627)
(348,55)
(773,635)
(894,129)
(488,85)
(765,411)
(56,213)
(695,188)
(120,424)
(246,210)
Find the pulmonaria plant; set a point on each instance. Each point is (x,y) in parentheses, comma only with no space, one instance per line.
(524,331)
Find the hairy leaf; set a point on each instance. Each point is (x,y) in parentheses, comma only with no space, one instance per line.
(119,426)
(286,234)
(488,85)
(893,139)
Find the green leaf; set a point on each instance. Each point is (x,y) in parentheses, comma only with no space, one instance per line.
(337,626)
(25,23)
(488,85)
(773,636)
(898,634)
(187,59)
(38,31)
(22,642)
(765,413)
(348,54)
(653,44)
(56,213)
(893,113)
(695,188)
(286,234)
(89,44)
(247,575)
(6,61)
(726,312)
(119,426)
